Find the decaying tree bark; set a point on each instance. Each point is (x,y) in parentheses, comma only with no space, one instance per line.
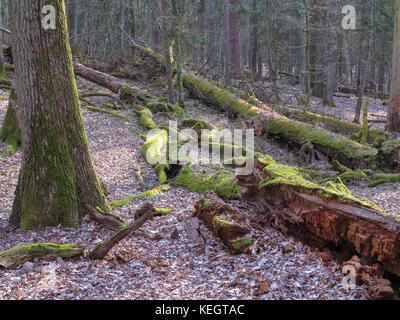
(225,222)
(323,217)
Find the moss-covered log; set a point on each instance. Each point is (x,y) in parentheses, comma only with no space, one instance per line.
(222,183)
(146,117)
(323,215)
(264,119)
(111,113)
(128,93)
(225,222)
(147,194)
(17,256)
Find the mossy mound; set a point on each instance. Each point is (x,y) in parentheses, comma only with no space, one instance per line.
(222,183)
(197,123)
(165,108)
(146,117)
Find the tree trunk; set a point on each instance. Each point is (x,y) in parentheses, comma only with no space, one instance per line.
(394,108)
(167,51)
(234,38)
(57,179)
(227,51)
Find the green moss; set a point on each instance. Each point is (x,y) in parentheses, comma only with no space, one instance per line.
(223,183)
(332,124)
(127,92)
(14,257)
(10,131)
(111,113)
(162,211)
(9,150)
(147,194)
(278,174)
(165,107)
(305,132)
(146,117)
(241,244)
(220,97)
(197,123)
(219,223)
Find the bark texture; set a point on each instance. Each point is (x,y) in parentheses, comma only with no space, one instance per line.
(332,220)
(57,179)
(394,108)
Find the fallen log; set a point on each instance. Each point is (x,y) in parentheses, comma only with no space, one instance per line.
(222,183)
(266,120)
(225,223)
(17,256)
(323,215)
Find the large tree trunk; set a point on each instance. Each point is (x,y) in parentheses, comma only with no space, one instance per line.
(394,109)
(57,179)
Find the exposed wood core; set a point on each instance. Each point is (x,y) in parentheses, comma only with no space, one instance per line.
(325,222)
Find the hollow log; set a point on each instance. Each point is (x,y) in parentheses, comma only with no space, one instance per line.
(323,216)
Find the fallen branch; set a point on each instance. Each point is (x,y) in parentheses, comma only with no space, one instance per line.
(17,256)
(145,212)
(98,94)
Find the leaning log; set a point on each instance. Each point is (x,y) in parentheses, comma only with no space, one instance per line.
(323,215)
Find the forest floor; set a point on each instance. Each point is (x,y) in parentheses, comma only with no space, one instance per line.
(150,264)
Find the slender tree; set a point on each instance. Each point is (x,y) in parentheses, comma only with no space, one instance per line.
(394,109)
(57,180)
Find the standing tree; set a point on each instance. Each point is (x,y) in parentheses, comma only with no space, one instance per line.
(394,108)
(57,181)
